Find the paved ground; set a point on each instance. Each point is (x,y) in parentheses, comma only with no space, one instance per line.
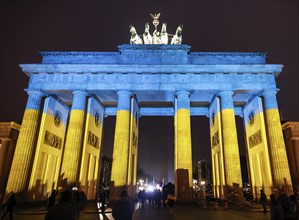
(189,212)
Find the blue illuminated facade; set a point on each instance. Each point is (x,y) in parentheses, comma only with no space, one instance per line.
(154,73)
(148,80)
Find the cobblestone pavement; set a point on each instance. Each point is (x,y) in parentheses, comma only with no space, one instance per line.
(188,212)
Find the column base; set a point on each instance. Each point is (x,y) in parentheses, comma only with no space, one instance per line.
(182,187)
(115,191)
(233,193)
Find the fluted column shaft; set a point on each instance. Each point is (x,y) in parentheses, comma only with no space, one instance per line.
(277,150)
(74,139)
(119,171)
(183,151)
(230,140)
(24,152)
(120,158)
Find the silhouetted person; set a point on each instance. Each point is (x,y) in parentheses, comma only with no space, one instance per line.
(77,198)
(122,210)
(263,201)
(171,201)
(157,197)
(283,199)
(164,196)
(52,199)
(10,204)
(291,213)
(65,209)
(277,212)
(141,198)
(103,198)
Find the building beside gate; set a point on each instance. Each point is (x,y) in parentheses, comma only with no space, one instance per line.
(9,132)
(70,94)
(291,137)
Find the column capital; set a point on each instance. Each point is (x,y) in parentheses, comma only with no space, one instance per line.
(124,100)
(182,92)
(269,92)
(270,98)
(35,92)
(226,99)
(124,92)
(79,100)
(225,93)
(34,99)
(81,92)
(183,100)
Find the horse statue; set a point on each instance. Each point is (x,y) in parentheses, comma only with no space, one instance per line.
(156,37)
(147,37)
(164,35)
(177,38)
(135,39)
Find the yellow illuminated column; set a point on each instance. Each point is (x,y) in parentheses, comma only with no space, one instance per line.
(21,165)
(74,139)
(232,166)
(277,150)
(119,172)
(183,151)
(217,148)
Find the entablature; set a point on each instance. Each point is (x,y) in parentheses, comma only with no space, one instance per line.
(153,54)
(29,69)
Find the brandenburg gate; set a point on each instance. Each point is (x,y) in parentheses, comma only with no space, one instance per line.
(70,94)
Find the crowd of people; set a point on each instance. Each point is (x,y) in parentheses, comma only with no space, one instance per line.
(283,207)
(157,197)
(68,204)
(123,209)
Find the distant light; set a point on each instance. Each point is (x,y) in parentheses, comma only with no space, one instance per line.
(202,183)
(141,188)
(150,188)
(158,187)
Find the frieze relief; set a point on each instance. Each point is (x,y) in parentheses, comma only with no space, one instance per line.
(247,78)
(59,78)
(93,140)
(255,139)
(79,57)
(151,47)
(43,78)
(215,139)
(52,140)
(234,78)
(105,79)
(226,54)
(101,78)
(78,78)
(153,57)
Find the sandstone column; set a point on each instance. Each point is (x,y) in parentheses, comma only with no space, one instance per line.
(183,148)
(231,154)
(277,150)
(21,166)
(119,172)
(74,139)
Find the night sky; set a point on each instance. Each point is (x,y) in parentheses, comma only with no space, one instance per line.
(28,27)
